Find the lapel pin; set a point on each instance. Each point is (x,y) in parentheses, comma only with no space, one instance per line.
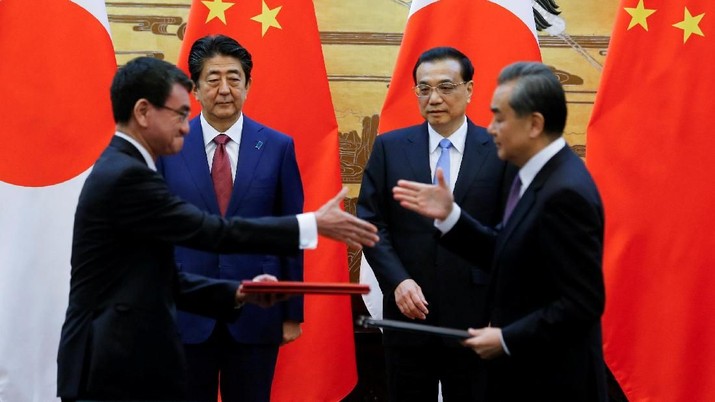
(259,144)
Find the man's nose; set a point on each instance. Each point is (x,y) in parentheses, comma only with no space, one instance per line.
(224,87)
(434,96)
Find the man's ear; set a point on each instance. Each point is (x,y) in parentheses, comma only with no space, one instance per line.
(141,112)
(537,124)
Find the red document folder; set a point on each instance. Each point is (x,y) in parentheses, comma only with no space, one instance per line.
(292,287)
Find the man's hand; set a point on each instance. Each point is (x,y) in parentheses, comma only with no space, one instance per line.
(339,225)
(291,331)
(433,201)
(261,299)
(410,300)
(485,342)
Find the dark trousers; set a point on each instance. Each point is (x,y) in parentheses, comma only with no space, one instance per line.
(245,371)
(413,373)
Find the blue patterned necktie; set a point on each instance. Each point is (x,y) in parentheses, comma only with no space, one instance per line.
(443,161)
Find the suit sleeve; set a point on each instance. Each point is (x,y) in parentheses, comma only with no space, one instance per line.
(372,206)
(205,296)
(471,240)
(144,207)
(570,233)
(291,202)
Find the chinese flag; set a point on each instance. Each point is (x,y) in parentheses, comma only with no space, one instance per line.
(650,144)
(57,66)
(491,33)
(290,93)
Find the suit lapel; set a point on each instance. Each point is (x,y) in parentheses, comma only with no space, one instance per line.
(253,142)
(416,152)
(475,150)
(527,201)
(194,155)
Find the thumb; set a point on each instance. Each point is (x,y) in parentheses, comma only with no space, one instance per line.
(339,197)
(440,178)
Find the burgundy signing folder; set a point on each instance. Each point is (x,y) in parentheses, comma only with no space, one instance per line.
(292,287)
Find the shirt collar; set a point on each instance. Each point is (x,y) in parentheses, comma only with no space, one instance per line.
(147,156)
(234,132)
(533,166)
(457,138)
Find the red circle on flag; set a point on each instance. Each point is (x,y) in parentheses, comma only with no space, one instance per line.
(58,64)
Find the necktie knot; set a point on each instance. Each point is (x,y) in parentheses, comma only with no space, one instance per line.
(445,144)
(222,139)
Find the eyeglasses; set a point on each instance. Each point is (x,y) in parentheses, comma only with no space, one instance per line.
(443,88)
(183,113)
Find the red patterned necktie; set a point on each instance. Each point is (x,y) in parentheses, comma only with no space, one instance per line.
(221,173)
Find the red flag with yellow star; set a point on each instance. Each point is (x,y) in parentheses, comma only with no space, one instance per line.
(649,147)
(289,92)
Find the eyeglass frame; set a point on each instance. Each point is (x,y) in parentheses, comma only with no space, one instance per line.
(436,88)
(183,113)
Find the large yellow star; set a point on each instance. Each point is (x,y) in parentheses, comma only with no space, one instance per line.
(217,9)
(639,15)
(689,25)
(267,18)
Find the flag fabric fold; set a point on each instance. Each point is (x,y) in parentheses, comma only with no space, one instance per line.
(289,92)
(58,63)
(648,147)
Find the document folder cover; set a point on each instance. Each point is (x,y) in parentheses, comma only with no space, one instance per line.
(294,287)
(368,322)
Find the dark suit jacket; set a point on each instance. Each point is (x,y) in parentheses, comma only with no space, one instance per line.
(547,291)
(409,247)
(119,339)
(267,183)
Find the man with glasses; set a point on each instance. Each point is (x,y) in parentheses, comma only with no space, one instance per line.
(261,179)
(420,279)
(119,340)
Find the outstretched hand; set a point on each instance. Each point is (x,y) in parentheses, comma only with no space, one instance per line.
(430,200)
(339,225)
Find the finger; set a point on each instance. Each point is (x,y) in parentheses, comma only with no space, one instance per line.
(361,224)
(265,278)
(355,245)
(338,197)
(402,194)
(410,185)
(420,303)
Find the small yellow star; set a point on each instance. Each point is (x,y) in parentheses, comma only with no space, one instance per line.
(217,9)
(639,15)
(267,18)
(689,25)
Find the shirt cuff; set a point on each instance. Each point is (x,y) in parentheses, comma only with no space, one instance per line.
(503,344)
(448,223)
(308,227)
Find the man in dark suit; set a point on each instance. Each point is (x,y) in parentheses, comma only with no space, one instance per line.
(119,340)
(547,291)
(266,182)
(419,278)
